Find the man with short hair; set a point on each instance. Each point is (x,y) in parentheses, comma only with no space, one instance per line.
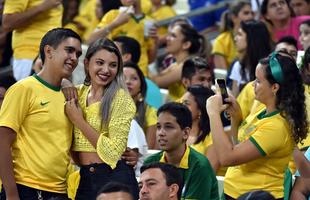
(287,44)
(173,128)
(114,190)
(129,48)
(196,71)
(35,133)
(160,181)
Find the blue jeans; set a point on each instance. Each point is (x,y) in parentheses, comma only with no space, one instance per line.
(28,193)
(95,176)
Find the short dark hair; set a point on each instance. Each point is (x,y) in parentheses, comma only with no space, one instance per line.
(171,174)
(289,40)
(131,46)
(179,111)
(114,187)
(54,37)
(194,64)
(258,194)
(7,81)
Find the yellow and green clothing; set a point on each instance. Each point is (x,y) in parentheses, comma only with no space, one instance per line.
(198,176)
(176,91)
(34,109)
(163,12)
(203,145)
(133,28)
(224,45)
(271,135)
(26,39)
(246,99)
(113,137)
(150,116)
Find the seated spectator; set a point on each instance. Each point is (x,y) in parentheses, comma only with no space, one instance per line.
(173,128)
(264,141)
(183,41)
(114,190)
(224,50)
(160,181)
(196,71)
(281,19)
(256,195)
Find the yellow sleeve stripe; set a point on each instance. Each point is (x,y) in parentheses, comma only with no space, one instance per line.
(262,152)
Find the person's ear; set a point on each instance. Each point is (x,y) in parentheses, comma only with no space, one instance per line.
(186,45)
(186,132)
(48,51)
(173,190)
(185,82)
(127,57)
(275,88)
(86,63)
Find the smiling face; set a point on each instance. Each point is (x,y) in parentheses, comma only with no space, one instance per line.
(133,81)
(65,56)
(169,134)
(102,68)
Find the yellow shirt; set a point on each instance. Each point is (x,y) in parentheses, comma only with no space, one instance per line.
(150,116)
(224,45)
(163,12)
(203,145)
(306,142)
(26,39)
(133,28)
(272,137)
(112,141)
(87,18)
(35,111)
(146,6)
(246,99)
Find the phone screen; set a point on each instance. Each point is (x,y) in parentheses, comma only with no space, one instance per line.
(222,85)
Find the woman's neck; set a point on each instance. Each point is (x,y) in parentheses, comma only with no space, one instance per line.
(95,94)
(195,128)
(181,56)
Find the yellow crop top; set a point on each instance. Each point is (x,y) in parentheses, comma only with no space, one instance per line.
(113,137)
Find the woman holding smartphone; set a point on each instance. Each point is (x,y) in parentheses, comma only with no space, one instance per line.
(266,138)
(101,117)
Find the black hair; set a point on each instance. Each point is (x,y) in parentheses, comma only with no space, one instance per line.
(115,187)
(289,40)
(264,8)
(54,37)
(305,73)
(171,174)
(290,98)
(191,35)
(193,64)
(107,5)
(179,111)
(201,94)
(307,22)
(140,104)
(7,81)
(258,46)
(131,46)
(257,195)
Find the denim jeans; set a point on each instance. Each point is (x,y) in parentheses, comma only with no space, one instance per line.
(28,193)
(95,176)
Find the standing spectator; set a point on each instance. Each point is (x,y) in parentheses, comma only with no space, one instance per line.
(35,133)
(29,21)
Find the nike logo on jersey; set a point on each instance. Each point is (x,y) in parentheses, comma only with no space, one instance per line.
(44,103)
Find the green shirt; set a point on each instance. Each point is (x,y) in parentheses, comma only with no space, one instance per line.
(198,176)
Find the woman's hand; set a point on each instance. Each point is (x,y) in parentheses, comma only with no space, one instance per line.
(74,111)
(215,105)
(68,90)
(131,156)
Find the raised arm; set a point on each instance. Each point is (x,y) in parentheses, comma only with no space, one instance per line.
(167,77)
(7,136)
(16,20)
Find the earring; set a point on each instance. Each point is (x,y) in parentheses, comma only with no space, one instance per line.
(140,97)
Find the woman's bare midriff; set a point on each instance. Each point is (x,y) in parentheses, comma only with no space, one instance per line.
(87,158)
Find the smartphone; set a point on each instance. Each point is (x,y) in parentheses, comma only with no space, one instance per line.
(222,85)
